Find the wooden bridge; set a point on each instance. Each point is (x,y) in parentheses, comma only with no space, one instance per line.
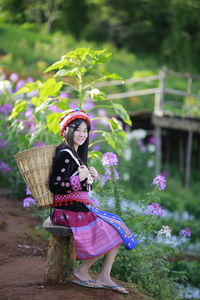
(172,114)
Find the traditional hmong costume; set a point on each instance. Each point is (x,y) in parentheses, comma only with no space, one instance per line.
(95,232)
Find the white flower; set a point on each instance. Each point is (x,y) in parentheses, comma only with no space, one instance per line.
(126,176)
(138,134)
(151,148)
(127,154)
(165,230)
(5,85)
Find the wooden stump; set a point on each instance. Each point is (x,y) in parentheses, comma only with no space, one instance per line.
(60,259)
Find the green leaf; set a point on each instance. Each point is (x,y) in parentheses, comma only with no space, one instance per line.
(45,105)
(95,154)
(49,88)
(19,107)
(114,124)
(113,76)
(79,54)
(35,101)
(36,133)
(96,94)
(122,113)
(58,65)
(61,73)
(116,140)
(63,103)
(29,87)
(100,56)
(53,122)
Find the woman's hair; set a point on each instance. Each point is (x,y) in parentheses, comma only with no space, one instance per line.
(82,152)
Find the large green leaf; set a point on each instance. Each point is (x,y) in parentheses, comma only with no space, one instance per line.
(122,113)
(49,88)
(58,65)
(117,140)
(29,87)
(19,107)
(100,56)
(53,122)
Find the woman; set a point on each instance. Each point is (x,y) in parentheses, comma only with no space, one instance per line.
(95,232)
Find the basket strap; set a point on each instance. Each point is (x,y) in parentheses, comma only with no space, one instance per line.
(43,195)
(72,155)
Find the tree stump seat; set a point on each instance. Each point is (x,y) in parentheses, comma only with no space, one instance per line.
(56,229)
(60,254)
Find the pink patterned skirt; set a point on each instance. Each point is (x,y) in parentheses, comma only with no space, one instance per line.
(92,235)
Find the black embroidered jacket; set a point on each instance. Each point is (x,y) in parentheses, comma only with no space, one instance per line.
(64,177)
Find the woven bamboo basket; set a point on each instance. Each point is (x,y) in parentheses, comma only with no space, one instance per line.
(35,166)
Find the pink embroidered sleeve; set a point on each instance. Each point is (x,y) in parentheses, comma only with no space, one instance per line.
(75,183)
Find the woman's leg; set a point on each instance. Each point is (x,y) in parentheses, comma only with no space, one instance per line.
(104,276)
(82,271)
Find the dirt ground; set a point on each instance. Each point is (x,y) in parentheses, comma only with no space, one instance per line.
(22,258)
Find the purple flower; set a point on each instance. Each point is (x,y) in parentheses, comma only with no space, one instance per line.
(88,105)
(29,114)
(152,140)
(93,135)
(29,202)
(6,108)
(3,143)
(95,148)
(143,149)
(160,182)
(4,167)
(110,159)
(29,79)
(54,108)
(39,144)
(28,192)
(14,77)
(19,85)
(186,232)
(64,95)
(72,105)
(101,112)
(155,209)
(30,126)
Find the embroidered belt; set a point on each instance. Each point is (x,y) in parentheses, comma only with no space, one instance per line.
(70,198)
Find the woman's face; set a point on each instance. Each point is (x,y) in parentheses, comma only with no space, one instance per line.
(80,135)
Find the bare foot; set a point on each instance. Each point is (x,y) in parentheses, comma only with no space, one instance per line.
(81,274)
(107,283)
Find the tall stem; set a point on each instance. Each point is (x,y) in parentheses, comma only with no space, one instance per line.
(80,89)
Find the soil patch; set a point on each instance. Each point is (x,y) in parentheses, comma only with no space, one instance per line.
(22,259)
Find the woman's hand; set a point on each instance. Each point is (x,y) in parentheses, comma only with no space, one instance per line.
(93,172)
(83,172)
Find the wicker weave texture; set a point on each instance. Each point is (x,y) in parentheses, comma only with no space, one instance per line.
(35,166)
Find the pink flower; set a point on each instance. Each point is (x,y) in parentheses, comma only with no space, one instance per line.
(160,182)
(110,159)
(155,209)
